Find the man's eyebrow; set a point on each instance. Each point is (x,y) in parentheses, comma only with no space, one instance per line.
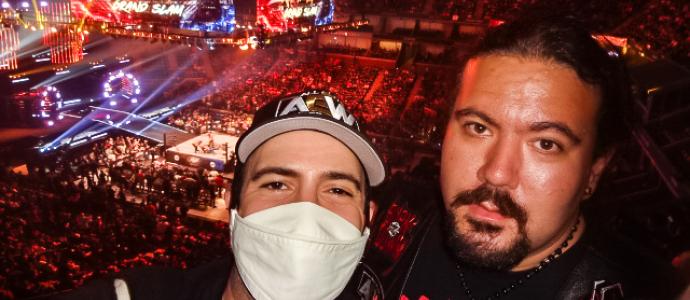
(333,175)
(558,126)
(473,112)
(274,170)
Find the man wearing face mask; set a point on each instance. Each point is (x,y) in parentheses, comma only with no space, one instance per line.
(299,213)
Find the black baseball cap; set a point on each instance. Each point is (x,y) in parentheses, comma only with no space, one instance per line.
(314,110)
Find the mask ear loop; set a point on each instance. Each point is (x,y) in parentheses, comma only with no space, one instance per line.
(236,186)
(235,189)
(367,194)
(366,213)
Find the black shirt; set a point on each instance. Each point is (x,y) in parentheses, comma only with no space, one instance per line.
(205,282)
(434,275)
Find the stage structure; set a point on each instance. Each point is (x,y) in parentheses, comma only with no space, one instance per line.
(9,45)
(206,24)
(65,38)
(67,24)
(285,15)
(212,151)
(121,87)
(201,15)
(38,107)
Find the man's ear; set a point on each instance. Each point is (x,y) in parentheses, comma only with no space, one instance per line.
(597,170)
(373,208)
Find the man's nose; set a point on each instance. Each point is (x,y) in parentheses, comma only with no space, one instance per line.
(501,164)
(306,192)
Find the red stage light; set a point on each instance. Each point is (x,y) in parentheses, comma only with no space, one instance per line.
(65,44)
(9,45)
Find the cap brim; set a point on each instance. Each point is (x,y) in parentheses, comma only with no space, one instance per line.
(366,154)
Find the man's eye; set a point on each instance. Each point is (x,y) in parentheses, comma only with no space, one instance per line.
(476,128)
(339,191)
(274,185)
(548,145)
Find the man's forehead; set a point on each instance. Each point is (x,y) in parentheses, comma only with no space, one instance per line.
(531,90)
(292,149)
(487,67)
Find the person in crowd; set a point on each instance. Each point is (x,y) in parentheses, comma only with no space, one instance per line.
(299,219)
(539,111)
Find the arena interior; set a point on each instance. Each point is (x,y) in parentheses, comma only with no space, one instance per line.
(118,118)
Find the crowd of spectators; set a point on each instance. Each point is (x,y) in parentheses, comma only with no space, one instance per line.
(447,57)
(405,7)
(201,119)
(342,49)
(376,95)
(297,72)
(662,29)
(454,9)
(100,210)
(379,52)
(389,99)
(229,107)
(424,118)
(659,28)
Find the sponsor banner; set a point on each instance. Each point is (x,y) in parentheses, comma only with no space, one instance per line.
(190,160)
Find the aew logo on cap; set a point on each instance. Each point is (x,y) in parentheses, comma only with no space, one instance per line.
(320,103)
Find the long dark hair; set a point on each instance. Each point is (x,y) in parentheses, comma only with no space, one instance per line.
(565,40)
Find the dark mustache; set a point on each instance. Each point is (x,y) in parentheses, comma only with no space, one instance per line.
(502,199)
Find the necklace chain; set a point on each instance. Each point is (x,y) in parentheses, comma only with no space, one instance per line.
(519,282)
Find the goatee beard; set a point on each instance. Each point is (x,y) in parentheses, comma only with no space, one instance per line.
(476,245)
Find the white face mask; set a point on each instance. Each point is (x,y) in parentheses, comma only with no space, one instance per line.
(296,251)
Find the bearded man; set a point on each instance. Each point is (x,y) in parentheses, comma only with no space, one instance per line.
(539,111)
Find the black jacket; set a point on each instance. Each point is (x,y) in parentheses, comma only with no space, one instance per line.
(415,210)
(205,282)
